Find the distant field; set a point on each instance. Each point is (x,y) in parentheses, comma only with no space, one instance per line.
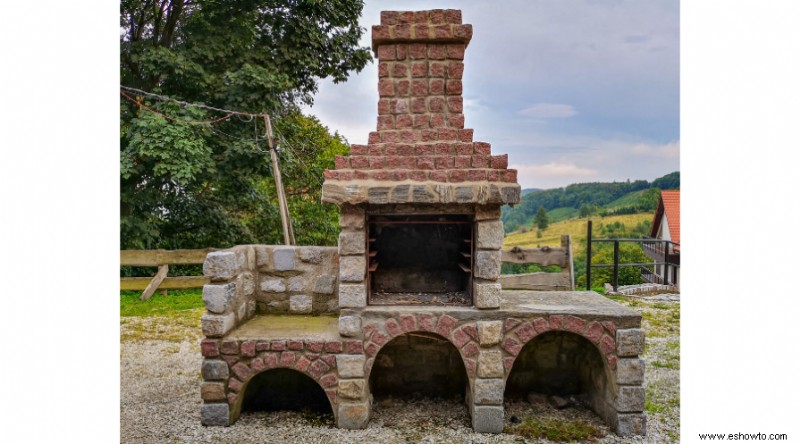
(575,227)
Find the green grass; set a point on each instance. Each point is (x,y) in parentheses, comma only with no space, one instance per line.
(158,305)
(172,318)
(575,227)
(627,200)
(558,431)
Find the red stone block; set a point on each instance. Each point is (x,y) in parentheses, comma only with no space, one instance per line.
(345,175)
(421,31)
(451,16)
(510,176)
(465,135)
(209,348)
(419,176)
(257,365)
(271,359)
(555,322)
(470,350)
(471,331)
(437,120)
(353,347)
(455,70)
(405,150)
(406,17)
(509,324)
(400,175)
(463,148)
(328,380)
(442,32)
(436,104)
(380,32)
(231,359)
(399,69)
(371,349)
(418,105)
(575,324)
(437,16)
(594,332)
(403,121)
(437,87)
(409,136)
(331,393)
(287,359)
(385,122)
(295,345)
(445,325)
(390,17)
(232,398)
(463,31)
(436,69)
(377,162)
(387,52)
(455,51)
(230,347)
(480,161)
(405,163)
(429,135)
(426,163)
(419,88)
(455,104)
(438,176)
(460,338)
(374,137)
(419,69)
(390,149)
(455,121)
(500,161)
(302,364)
(360,162)
(607,344)
(612,361)
(444,162)
(248,349)
(511,345)
(390,137)
(456,176)
(611,327)
(333,347)
(386,87)
(380,175)
(427,322)
(453,87)
(445,148)
(369,329)
(402,52)
(476,175)
(447,133)
(463,161)
(421,17)
(482,148)
(407,323)
(393,327)
(383,69)
(312,356)
(234,385)
(541,325)
(424,150)
(402,31)
(493,175)
(471,366)
(360,175)
(422,121)
(525,332)
(403,88)
(318,368)
(358,150)
(342,162)
(262,346)
(330,360)
(508,363)
(375,150)
(416,51)
(242,371)
(436,52)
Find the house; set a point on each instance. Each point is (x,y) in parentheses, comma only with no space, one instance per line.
(666,226)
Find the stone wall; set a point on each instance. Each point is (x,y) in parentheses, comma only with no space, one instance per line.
(267,279)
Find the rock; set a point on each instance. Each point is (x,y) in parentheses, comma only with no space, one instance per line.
(558,402)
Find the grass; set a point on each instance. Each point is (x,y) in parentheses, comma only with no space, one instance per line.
(158,305)
(575,227)
(554,430)
(172,318)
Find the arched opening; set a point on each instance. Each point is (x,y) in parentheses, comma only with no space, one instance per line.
(563,364)
(285,389)
(418,364)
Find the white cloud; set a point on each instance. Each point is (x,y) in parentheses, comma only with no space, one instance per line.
(549,111)
(669,150)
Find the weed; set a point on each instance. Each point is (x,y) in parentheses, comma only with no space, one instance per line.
(554,430)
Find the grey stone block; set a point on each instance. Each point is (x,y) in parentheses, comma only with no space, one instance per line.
(352,295)
(350,326)
(223,264)
(350,366)
(631,424)
(311,255)
(214,370)
(487,264)
(351,217)
(399,194)
(490,364)
(378,195)
(272,284)
(353,415)
(630,371)
(283,258)
(218,297)
(421,194)
(300,303)
(215,325)
(352,242)
(489,391)
(630,342)
(325,284)
(216,414)
(248,283)
(352,268)
(487,213)
(487,295)
(298,283)
(487,419)
(490,332)
(464,194)
(629,399)
(490,234)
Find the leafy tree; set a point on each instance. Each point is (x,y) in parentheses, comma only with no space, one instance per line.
(192,186)
(541,220)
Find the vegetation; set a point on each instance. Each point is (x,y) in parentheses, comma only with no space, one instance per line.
(541,220)
(555,430)
(197,186)
(172,318)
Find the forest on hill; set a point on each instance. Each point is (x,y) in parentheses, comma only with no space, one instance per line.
(603,198)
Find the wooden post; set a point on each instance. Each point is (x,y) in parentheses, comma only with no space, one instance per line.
(566,242)
(288,233)
(588,255)
(153,285)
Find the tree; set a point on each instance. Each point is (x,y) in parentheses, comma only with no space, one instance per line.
(541,220)
(191,186)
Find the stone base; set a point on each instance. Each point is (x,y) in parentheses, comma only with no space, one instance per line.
(354,415)
(215,414)
(487,419)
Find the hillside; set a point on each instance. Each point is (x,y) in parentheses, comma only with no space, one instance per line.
(575,227)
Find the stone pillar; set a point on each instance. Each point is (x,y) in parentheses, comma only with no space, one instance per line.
(629,398)
(352,267)
(488,243)
(355,401)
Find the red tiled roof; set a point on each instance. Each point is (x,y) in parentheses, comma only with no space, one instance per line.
(670,203)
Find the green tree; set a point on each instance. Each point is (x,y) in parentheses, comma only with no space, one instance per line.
(541,220)
(628,254)
(191,186)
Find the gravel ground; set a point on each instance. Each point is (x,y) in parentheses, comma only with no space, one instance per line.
(160,397)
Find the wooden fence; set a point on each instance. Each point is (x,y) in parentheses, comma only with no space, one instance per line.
(161,259)
(544,256)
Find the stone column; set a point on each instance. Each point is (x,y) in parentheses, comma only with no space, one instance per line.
(488,242)
(352,265)
(355,401)
(629,399)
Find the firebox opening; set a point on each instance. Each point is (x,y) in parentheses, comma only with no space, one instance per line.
(420,259)
(285,389)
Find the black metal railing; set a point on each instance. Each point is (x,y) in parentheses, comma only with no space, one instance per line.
(663,252)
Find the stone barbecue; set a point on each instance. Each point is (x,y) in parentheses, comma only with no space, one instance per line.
(414,283)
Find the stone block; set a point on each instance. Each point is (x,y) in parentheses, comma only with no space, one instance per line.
(487,295)
(311,255)
(213,391)
(630,399)
(631,424)
(349,326)
(223,264)
(247,283)
(298,283)
(630,371)
(490,364)
(353,415)
(352,295)
(325,284)
(271,284)
(264,257)
(490,234)
(215,325)
(630,342)
(300,303)
(352,268)
(350,366)
(351,217)
(214,370)
(216,414)
(488,391)
(352,242)
(283,258)
(487,264)
(218,297)
(487,213)
(351,388)
(490,332)
(487,419)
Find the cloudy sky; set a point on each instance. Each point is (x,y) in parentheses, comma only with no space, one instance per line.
(573,90)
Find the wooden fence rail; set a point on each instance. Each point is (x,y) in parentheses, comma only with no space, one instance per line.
(161,259)
(544,256)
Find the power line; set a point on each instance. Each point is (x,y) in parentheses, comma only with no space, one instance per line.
(196,105)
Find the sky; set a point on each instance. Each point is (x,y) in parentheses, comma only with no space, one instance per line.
(573,90)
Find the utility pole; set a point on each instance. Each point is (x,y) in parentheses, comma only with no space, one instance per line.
(288,232)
